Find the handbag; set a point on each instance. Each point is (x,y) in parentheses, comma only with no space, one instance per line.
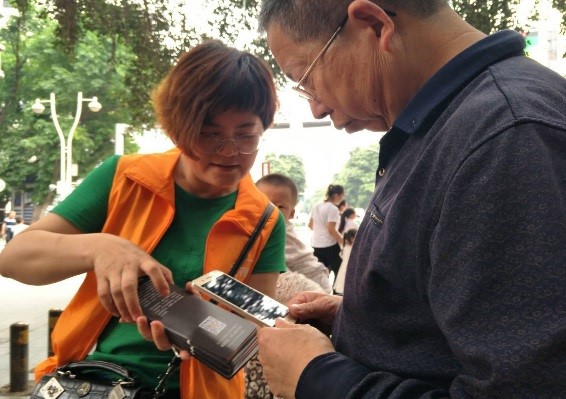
(90,379)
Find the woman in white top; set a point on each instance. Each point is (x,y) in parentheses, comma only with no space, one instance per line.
(324,222)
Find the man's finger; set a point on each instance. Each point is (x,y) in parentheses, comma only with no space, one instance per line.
(282,323)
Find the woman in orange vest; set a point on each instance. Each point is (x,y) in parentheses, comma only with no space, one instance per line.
(172,216)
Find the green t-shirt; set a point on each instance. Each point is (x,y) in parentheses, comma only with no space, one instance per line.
(181,249)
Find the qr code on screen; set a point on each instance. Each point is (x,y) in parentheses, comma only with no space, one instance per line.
(212,325)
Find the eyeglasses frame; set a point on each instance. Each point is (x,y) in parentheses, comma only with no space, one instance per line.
(234,143)
(305,93)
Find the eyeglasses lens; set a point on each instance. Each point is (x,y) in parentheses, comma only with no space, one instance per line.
(211,144)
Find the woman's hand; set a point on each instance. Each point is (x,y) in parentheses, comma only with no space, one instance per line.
(118,264)
(155,331)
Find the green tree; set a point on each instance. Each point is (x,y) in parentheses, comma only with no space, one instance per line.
(34,69)
(154,31)
(358,176)
(488,15)
(493,15)
(289,165)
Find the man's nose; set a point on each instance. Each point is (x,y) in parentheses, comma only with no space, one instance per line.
(319,110)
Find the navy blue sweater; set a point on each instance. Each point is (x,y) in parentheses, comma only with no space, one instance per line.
(456,282)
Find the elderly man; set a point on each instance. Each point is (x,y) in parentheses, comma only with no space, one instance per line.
(456,284)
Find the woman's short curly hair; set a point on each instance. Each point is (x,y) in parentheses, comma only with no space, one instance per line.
(206,81)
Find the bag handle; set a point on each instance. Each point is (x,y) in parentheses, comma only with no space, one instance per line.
(253,237)
(82,367)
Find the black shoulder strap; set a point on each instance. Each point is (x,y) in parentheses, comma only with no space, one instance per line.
(266,214)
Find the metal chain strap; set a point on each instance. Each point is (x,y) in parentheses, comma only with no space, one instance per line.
(173,365)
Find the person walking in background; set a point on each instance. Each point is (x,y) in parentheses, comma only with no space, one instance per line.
(323,222)
(347,221)
(283,193)
(7,224)
(455,285)
(19,226)
(172,216)
(349,236)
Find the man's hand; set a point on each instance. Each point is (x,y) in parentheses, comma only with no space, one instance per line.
(284,352)
(315,306)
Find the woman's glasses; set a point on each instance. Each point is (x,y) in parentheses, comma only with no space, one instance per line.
(210,144)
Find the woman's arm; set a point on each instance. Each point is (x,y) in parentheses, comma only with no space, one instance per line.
(50,250)
(264,283)
(53,249)
(271,261)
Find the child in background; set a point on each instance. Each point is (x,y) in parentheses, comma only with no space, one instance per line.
(349,237)
(283,193)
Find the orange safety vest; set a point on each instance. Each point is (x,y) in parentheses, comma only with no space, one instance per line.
(141,208)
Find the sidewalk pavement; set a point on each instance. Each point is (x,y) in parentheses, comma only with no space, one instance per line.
(30,305)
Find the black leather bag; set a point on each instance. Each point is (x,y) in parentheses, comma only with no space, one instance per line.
(90,379)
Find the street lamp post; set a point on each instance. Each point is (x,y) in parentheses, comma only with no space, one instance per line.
(2,49)
(65,183)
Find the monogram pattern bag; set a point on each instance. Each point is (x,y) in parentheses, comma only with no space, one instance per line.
(90,379)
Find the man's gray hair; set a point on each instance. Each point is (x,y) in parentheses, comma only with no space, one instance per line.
(311,20)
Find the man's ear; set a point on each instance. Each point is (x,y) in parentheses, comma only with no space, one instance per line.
(292,214)
(372,15)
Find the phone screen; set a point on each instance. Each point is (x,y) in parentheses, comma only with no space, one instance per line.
(253,302)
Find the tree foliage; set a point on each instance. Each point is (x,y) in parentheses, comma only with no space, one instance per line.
(358,176)
(154,31)
(493,15)
(35,68)
(488,15)
(289,165)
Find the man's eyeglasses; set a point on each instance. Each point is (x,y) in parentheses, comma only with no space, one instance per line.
(210,144)
(301,90)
